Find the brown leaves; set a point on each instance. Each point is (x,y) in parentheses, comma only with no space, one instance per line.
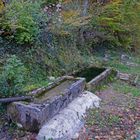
(116,120)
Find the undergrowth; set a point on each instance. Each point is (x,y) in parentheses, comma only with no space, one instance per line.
(119,23)
(48,49)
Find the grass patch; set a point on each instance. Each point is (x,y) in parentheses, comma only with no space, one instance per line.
(101,118)
(115,62)
(124,68)
(125,88)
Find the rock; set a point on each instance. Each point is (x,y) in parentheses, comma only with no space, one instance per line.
(124,76)
(138,135)
(125,57)
(51,78)
(105,59)
(69,121)
(75,136)
(19,125)
(131,64)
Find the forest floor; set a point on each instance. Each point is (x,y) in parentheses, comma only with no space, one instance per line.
(118,118)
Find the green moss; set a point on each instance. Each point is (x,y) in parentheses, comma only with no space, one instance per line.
(125,88)
(30,87)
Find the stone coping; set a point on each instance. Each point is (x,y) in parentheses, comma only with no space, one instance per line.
(98,79)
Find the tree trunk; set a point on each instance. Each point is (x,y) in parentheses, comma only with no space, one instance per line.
(14,99)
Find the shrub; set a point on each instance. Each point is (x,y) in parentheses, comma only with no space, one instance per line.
(12,77)
(50,1)
(1,6)
(119,21)
(23,19)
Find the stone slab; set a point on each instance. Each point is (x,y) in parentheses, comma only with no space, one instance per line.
(69,121)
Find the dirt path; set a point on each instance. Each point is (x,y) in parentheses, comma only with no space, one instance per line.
(117,119)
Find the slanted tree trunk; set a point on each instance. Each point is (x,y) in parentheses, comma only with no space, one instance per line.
(14,99)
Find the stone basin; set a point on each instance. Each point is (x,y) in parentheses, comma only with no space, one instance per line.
(94,75)
(46,104)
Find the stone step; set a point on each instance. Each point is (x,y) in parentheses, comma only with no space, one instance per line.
(69,121)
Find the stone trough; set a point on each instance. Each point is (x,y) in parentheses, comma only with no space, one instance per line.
(46,104)
(94,76)
(57,111)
